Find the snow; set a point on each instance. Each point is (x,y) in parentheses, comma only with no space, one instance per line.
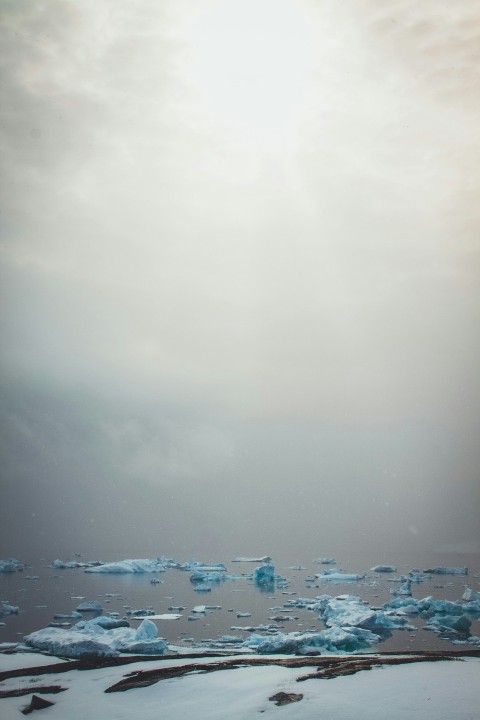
(431,691)
(130,566)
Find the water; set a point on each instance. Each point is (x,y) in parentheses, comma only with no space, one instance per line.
(59,591)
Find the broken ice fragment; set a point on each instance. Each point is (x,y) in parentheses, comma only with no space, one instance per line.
(130,566)
(93,606)
(384,568)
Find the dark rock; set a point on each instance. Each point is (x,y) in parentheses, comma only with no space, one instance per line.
(36,703)
(283,698)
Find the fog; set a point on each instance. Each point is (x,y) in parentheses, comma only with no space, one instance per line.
(240,277)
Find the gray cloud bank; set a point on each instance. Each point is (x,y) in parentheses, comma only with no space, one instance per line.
(201,317)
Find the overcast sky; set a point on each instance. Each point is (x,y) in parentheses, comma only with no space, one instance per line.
(240,242)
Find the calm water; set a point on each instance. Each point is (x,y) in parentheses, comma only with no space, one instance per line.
(57,591)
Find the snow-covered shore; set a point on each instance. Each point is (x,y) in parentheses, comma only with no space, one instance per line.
(438,690)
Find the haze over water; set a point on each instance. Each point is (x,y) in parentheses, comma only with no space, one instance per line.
(240,280)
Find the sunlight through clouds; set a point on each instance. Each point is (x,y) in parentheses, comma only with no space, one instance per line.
(250,63)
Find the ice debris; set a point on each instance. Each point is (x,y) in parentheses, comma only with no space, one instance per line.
(404,589)
(448,570)
(470,594)
(332,639)
(199,576)
(7,609)
(325,561)
(90,638)
(11,565)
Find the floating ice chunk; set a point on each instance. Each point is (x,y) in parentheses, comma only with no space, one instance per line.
(334,639)
(244,614)
(229,640)
(460,624)
(146,631)
(93,606)
(140,613)
(68,643)
(71,564)
(165,616)
(201,587)
(404,589)
(448,570)
(198,576)
(11,565)
(108,623)
(384,568)
(74,615)
(264,575)
(325,561)
(265,559)
(199,609)
(335,575)
(129,566)
(352,611)
(470,594)
(202,567)
(7,609)
(89,638)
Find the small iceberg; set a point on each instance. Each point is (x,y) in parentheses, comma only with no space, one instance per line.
(130,566)
(90,638)
(7,609)
(93,606)
(335,575)
(265,559)
(384,569)
(11,565)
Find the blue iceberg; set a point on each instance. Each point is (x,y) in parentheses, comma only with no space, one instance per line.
(90,638)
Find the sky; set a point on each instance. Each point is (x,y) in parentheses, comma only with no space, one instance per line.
(240,275)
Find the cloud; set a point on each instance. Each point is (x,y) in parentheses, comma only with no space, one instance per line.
(149,244)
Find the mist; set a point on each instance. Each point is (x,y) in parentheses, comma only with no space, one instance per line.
(239,278)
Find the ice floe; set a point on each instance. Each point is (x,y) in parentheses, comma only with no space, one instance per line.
(384,568)
(11,565)
(137,566)
(265,559)
(7,609)
(93,606)
(90,638)
(335,575)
